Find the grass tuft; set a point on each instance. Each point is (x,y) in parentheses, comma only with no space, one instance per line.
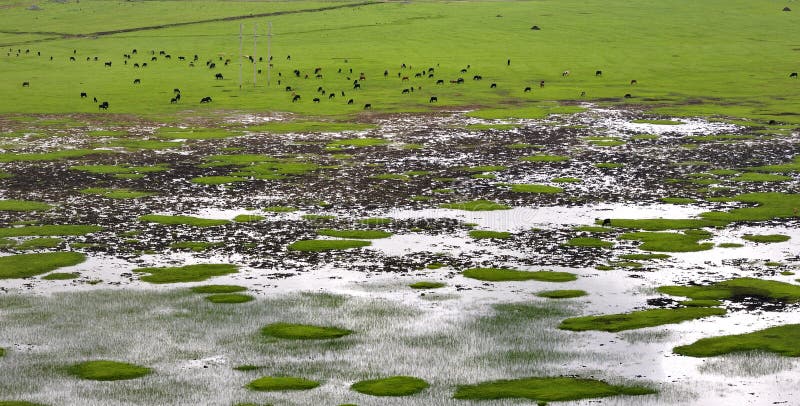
(303,331)
(546,389)
(505,274)
(278,383)
(104,370)
(392,386)
(188,273)
(27,265)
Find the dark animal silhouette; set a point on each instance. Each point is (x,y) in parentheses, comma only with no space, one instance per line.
(173,100)
(493,85)
(26,84)
(633,82)
(288,88)
(176,90)
(535,28)
(83,95)
(565,73)
(103,105)
(606,223)
(218,76)
(137,81)
(628,95)
(405,78)
(527,89)
(367,106)
(153,59)
(598,73)
(144,64)
(331,96)
(541,84)
(315,100)
(477,77)
(108,64)
(793,75)
(94,99)
(178,96)
(440,82)
(463,71)
(459,81)
(405,91)
(295,98)
(72,58)
(212,66)
(350,101)
(357,86)
(135,65)
(583,94)
(206,99)
(433,99)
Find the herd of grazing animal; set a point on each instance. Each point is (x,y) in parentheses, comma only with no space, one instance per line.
(409,78)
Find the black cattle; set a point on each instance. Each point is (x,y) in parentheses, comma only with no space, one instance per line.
(103,105)
(459,81)
(218,76)
(137,81)
(178,96)
(26,84)
(94,99)
(72,58)
(583,94)
(405,91)
(440,82)
(477,77)
(162,53)
(357,86)
(84,95)
(385,73)
(196,57)
(315,100)
(88,58)
(535,28)
(181,58)
(212,65)
(153,59)
(144,64)
(606,223)
(296,73)
(317,70)
(168,56)
(598,73)
(527,89)
(367,106)
(134,51)
(350,101)
(508,62)
(463,71)
(176,90)
(173,100)
(331,96)
(108,64)
(433,99)
(565,73)
(628,95)
(135,65)
(295,98)
(417,75)
(793,75)
(95,58)
(541,84)
(288,88)
(633,82)
(206,99)
(493,85)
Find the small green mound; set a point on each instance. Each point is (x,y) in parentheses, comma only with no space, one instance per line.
(2,352)
(589,242)
(280,209)
(639,319)
(23,205)
(546,389)
(608,165)
(39,243)
(217,180)
(760,177)
(562,294)
(505,274)
(103,370)
(643,257)
(780,340)
(303,331)
(484,234)
(566,180)
(19,403)
(116,193)
(218,289)
(48,230)
(768,205)
(229,298)
(534,188)
(182,220)
(61,276)
(356,234)
(738,288)
(392,386)
(688,241)
(766,238)
(427,285)
(326,245)
(730,245)
(318,217)
(277,383)
(27,265)
(188,273)
(545,158)
(375,221)
(247,218)
(475,205)
(196,246)
(662,224)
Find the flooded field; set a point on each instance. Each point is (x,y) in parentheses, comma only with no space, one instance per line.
(329,226)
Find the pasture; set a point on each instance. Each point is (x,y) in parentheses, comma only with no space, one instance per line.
(462,243)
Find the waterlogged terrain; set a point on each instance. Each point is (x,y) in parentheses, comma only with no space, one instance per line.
(411,259)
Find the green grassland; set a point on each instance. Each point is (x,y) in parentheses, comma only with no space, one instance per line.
(734,63)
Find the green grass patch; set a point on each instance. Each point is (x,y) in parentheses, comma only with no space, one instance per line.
(196,246)
(27,265)
(783,168)
(61,276)
(475,205)
(643,257)
(589,242)
(188,273)
(48,230)
(48,156)
(767,206)
(39,243)
(700,303)
(217,180)
(608,165)
(638,319)
(759,177)
(116,193)
(566,180)
(281,383)
(292,331)
(730,245)
(122,169)
(484,168)
(427,285)
(535,188)
(19,403)
(174,133)
(355,234)
(218,289)
(247,218)
(533,111)
(23,205)
(391,386)
(663,224)
(506,274)
(484,234)
(318,217)
(496,126)
(280,209)
(375,221)
(546,389)
(229,298)
(326,245)
(688,241)
(780,340)
(737,288)
(182,220)
(144,144)
(766,238)
(309,127)
(545,158)
(562,294)
(104,370)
